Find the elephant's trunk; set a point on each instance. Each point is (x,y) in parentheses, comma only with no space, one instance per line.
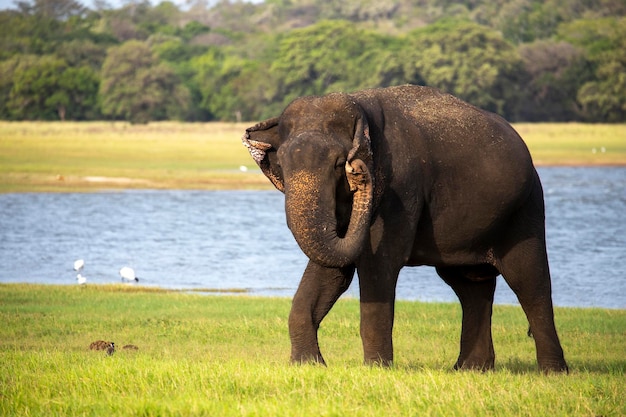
(310,206)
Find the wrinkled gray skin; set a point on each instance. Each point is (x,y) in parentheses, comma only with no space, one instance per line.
(384,178)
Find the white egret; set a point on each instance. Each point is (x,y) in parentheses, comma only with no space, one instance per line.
(128,274)
(81,279)
(79,264)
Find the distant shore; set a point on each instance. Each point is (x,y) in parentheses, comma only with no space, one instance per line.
(93,156)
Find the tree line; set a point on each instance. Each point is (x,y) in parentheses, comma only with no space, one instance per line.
(528,60)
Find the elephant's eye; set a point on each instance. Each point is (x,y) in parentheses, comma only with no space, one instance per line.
(341,162)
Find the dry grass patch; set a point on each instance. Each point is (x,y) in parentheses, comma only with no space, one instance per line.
(91,156)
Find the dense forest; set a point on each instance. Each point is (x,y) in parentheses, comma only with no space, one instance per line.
(528,60)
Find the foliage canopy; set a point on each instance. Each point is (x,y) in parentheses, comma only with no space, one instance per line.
(527,60)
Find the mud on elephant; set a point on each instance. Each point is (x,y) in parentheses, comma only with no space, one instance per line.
(407,176)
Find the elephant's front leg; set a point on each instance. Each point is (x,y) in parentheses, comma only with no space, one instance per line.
(318,291)
(377,316)
(376,332)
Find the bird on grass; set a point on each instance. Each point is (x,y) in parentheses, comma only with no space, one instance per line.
(81,279)
(128,274)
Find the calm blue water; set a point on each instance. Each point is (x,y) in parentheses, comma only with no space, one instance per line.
(239,240)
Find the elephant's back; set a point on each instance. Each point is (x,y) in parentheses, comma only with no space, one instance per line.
(471,166)
(429,102)
(441,120)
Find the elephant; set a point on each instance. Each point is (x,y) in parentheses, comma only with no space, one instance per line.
(384,178)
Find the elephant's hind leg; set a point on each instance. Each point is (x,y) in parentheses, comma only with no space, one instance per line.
(319,289)
(525,269)
(476,297)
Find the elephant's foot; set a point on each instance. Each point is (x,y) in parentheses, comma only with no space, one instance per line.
(553,366)
(304,345)
(379,362)
(475,364)
(307,358)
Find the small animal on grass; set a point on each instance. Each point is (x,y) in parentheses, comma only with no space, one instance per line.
(99,345)
(130,347)
(407,176)
(109,347)
(128,274)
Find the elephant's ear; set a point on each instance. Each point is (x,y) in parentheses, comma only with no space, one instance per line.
(361,143)
(262,141)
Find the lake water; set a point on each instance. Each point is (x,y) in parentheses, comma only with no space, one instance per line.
(239,240)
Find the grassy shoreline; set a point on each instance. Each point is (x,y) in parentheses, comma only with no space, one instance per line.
(93,156)
(223,355)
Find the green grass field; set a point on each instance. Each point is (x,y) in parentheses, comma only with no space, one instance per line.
(223,356)
(54,156)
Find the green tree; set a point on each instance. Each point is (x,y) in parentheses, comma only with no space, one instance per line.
(527,20)
(38,27)
(174,49)
(556,72)
(79,53)
(193,29)
(58,10)
(47,88)
(137,88)
(139,19)
(330,56)
(178,55)
(44,26)
(232,87)
(8,68)
(603,98)
(470,61)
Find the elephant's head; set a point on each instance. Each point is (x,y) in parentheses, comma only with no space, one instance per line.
(318,152)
